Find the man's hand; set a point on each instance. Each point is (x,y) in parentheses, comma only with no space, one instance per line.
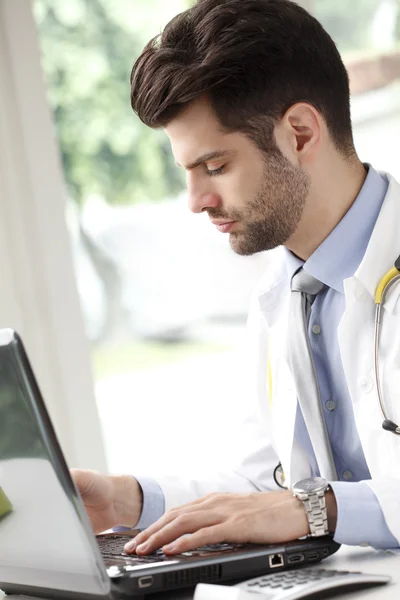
(109,500)
(261,517)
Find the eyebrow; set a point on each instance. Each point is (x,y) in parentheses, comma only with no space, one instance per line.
(207,157)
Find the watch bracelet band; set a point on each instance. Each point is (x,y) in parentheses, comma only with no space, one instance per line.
(317,516)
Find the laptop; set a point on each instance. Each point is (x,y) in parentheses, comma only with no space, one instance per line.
(47,546)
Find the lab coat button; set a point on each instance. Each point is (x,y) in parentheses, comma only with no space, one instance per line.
(330,405)
(316,329)
(366,384)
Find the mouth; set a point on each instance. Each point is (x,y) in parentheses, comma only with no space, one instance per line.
(224,226)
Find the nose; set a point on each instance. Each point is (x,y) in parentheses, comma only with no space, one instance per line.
(200,197)
(199,203)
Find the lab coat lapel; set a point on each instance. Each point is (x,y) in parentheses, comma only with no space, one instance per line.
(356,330)
(274,304)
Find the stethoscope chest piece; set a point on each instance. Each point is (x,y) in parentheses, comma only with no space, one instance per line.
(279,476)
(388,425)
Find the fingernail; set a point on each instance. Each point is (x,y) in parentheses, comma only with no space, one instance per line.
(142,548)
(130,546)
(170,547)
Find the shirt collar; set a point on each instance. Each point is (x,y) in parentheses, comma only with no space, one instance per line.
(340,254)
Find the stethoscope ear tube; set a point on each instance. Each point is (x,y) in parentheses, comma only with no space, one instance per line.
(386,282)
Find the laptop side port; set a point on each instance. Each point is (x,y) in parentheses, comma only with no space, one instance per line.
(145,581)
(276,560)
(296,558)
(313,555)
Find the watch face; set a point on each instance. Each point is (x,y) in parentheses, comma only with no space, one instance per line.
(311,485)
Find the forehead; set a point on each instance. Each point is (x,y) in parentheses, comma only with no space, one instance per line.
(197,130)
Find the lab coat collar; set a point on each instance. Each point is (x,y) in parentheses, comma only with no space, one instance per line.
(273,286)
(383,247)
(382,250)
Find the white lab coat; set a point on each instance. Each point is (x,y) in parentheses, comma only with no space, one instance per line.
(270,426)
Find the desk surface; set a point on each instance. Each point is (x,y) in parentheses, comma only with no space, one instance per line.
(347,558)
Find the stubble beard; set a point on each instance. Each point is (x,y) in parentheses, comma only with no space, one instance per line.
(272,217)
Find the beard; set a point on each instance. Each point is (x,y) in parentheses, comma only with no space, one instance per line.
(273,215)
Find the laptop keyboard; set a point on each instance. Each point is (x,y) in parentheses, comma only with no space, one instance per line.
(112,549)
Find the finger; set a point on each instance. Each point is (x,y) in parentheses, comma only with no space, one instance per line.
(207,535)
(180,526)
(167,518)
(143,536)
(147,533)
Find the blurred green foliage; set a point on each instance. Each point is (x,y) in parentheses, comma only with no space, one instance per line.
(88,49)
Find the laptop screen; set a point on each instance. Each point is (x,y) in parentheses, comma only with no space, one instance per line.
(45,539)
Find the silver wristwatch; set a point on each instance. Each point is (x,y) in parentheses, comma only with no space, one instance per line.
(311,492)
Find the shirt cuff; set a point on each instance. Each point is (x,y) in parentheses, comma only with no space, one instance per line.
(153,504)
(360,519)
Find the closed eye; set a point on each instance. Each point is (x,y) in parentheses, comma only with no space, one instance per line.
(214,172)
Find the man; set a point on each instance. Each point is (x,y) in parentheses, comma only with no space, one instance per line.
(254,98)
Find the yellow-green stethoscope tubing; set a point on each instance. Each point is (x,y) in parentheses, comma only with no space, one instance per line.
(382,286)
(387,281)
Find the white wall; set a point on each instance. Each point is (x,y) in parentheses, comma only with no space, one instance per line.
(37,288)
(376,126)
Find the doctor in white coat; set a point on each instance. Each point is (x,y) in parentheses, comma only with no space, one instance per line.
(254,98)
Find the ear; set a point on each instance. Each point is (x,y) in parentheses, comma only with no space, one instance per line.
(300,131)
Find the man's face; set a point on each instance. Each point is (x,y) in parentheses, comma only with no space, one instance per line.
(256,197)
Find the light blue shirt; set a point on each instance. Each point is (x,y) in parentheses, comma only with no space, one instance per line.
(360,518)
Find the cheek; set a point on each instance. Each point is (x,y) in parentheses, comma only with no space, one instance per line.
(227,186)
(238,189)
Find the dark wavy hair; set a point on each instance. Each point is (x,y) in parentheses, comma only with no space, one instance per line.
(253,59)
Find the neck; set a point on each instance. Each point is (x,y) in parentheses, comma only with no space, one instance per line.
(334,188)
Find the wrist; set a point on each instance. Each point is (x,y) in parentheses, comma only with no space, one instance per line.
(299,514)
(127,500)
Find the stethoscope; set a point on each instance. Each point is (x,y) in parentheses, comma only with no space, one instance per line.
(382,289)
(384,285)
